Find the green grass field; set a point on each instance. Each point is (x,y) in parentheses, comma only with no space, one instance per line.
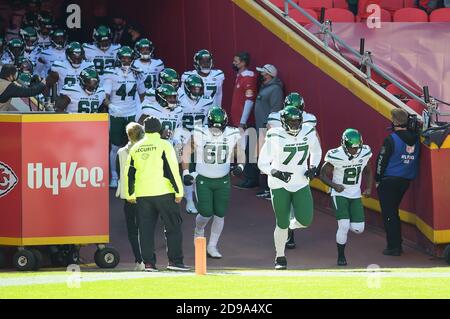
(394,283)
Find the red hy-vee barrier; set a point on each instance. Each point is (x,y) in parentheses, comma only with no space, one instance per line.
(53,182)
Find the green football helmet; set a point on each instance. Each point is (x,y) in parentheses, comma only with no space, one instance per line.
(194,87)
(144,49)
(45,23)
(217,118)
(102,36)
(59,38)
(89,80)
(15,48)
(166,95)
(24,65)
(203,61)
(29,37)
(291,120)
(352,142)
(75,54)
(169,76)
(295,99)
(125,58)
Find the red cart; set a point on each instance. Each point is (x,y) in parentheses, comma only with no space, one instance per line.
(54,187)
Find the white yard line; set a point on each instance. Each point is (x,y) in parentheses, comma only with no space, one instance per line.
(85,277)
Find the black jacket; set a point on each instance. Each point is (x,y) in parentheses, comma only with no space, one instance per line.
(14,90)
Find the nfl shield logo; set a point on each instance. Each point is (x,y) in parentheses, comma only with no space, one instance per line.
(410,149)
(8,179)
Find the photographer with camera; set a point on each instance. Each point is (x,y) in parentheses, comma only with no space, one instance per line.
(9,89)
(397,164)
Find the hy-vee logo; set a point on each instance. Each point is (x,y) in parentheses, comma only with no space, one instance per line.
(63,176)
(8,179)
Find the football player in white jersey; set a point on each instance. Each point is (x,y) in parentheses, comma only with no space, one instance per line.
(346,164)
(29,37)
(195,110)
(166,76)
(83,97)
(67,71)
(56,52)
(122,86)
(102,53)
(14,50)
(212,78)
(166,109)
(274,120)
(149,66)
(284,158)
(45,24)
(213,146)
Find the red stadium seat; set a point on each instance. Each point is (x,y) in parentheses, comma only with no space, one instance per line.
(339,15)
(280,3)
(440,15)
(392,5)
(379,79)
(316,4)
(409,4)
(300,18)
(340,4)
(410,15)
(416,106)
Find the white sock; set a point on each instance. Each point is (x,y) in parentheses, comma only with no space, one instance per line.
(112,161)
(188,192)
(342,232)
(201,222)
(216,230)
(280,237)
(357,228)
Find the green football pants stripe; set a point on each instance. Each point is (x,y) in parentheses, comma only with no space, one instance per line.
(213,195)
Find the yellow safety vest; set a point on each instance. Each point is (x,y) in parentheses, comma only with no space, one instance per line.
(156,165)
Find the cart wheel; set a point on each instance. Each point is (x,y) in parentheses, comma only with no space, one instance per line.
(447,254)
(24,260)
(38,257)
(2,260)
(107,257)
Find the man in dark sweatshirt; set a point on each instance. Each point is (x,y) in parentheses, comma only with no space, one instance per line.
(9,90)
(270,99)
(397,165)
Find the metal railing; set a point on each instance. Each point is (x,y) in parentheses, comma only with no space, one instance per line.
(431,109)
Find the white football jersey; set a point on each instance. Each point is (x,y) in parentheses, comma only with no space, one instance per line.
(213,84)
(7,58)
(213,153)
(101,59)
(33,55)
(170,120)
(46,59)
(44,42)
(80,101)
(194,112)
(123,90)
(348,172)
(150,72)
(67,73)
(287,153)
(274,119)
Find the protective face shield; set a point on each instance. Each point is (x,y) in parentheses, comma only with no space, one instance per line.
(104,44)
(294,126)
(76,59)
(126,62)
(91,86)
(205,65)
(172,101)
(145,53)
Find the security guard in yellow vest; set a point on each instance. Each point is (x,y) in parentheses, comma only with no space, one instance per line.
(154,180)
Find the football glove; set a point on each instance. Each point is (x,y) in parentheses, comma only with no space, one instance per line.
(284,176)
(311,172)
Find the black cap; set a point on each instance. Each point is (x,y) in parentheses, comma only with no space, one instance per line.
(152,125)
